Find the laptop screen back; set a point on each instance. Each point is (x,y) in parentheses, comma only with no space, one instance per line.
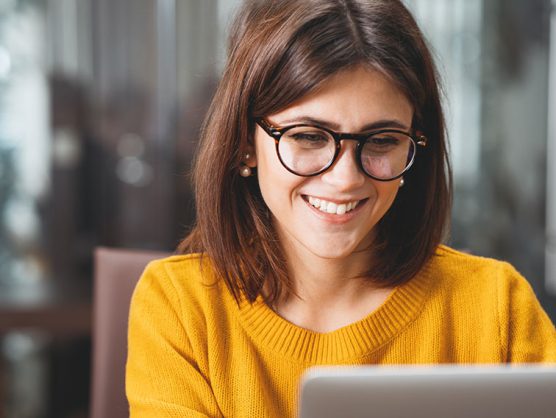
(429,392)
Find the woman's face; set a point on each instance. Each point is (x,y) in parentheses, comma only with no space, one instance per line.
(354,101)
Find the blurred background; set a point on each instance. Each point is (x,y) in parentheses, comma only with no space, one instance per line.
(100,106)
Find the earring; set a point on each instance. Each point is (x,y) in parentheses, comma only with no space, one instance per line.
(245,170)
(402,182)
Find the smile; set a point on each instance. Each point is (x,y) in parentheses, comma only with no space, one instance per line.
(332,207)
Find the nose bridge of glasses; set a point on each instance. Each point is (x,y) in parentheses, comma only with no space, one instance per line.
(358,138)
(341,150)
(345,168)
(352,153)
(351,137)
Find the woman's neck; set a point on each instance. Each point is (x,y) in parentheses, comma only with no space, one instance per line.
(329,293)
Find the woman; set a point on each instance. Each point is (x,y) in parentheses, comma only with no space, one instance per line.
(322,189)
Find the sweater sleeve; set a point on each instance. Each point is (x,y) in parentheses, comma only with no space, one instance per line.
(527,331)
(163,378)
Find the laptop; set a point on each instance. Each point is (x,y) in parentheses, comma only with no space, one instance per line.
(429,392)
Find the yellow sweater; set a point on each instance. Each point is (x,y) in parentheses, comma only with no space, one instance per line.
(194,353)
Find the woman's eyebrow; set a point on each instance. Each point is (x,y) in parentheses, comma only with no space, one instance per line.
(379,124)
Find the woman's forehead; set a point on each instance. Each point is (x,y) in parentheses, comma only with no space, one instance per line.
(350,99)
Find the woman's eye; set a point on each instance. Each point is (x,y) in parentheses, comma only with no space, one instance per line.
(383,141)
(310,136)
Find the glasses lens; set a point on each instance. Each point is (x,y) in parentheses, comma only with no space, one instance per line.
(386,155)
(306,150)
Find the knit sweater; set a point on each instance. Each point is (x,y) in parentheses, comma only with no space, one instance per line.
(193,352)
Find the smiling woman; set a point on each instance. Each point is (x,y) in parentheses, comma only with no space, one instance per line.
(322,192)
(353,100)
(279,54)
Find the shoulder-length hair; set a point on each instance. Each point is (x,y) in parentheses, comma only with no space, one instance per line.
(279,51)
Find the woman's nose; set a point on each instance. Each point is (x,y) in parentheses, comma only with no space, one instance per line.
(345,173)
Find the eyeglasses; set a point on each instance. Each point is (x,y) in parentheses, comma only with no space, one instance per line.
(307,150)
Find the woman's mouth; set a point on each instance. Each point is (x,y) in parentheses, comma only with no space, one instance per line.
(332,207)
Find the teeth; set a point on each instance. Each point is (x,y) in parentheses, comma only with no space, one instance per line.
(331,207)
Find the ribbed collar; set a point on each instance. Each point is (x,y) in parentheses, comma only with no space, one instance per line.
(360,338)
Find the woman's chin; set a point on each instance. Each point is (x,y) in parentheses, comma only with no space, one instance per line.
(337,251)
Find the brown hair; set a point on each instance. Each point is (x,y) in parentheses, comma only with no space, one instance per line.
(279,51)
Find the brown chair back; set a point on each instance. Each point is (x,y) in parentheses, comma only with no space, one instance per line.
(116,274)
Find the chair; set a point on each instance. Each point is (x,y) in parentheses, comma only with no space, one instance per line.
(116,274)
